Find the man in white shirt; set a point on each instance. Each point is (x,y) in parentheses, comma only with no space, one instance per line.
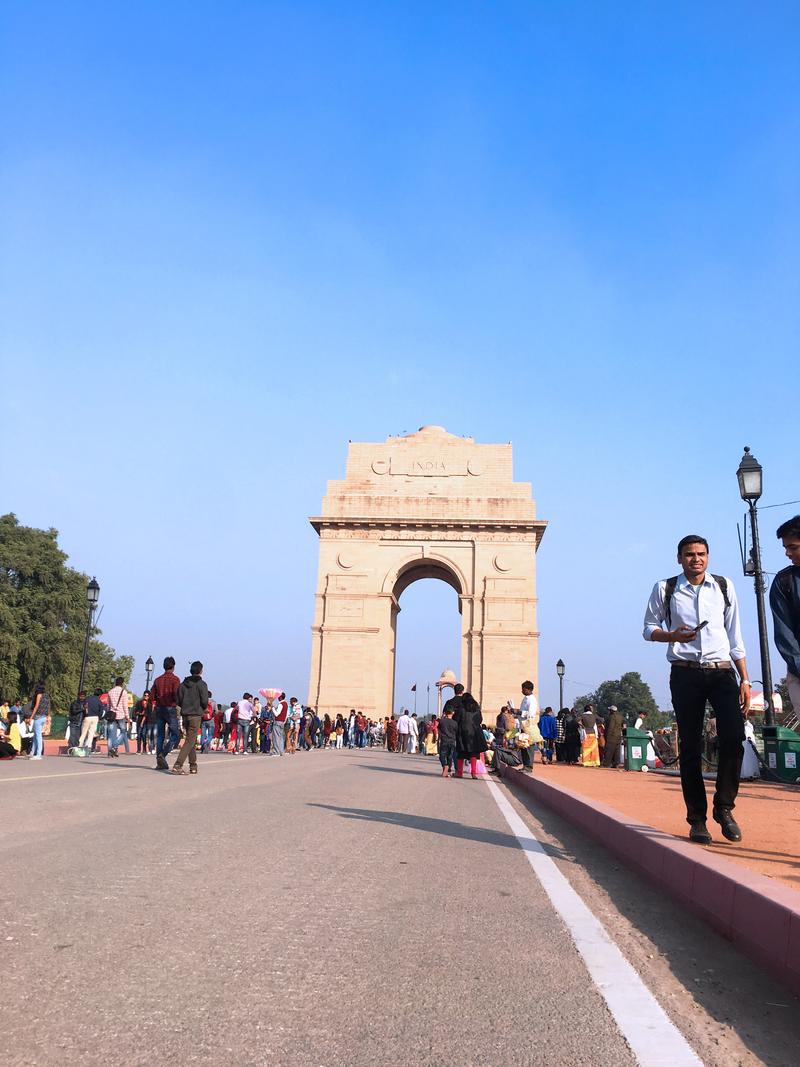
(413,733)
(403,730)
(529,705)
(696,614)
(243,723)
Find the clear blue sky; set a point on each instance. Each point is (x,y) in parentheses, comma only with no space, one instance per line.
(237,235)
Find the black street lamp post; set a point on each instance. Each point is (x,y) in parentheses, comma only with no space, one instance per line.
(92,596)
(560,671)
(148,666)
(749,476)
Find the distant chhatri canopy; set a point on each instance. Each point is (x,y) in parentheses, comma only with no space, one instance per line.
(447,678)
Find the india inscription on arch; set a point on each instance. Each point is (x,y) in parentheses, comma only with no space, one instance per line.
(427,505)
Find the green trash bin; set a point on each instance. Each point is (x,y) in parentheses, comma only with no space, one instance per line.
(636,742)
(782,752)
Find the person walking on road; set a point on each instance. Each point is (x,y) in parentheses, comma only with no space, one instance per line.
(39,714)
(471,743)
(117,717)
(77,710)
(613,737)
(193,701)
(90,721)
(165,695)
(448,737)
(784,600)
(403,731)
(697,615)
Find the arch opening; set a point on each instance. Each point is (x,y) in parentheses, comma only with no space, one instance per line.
(426,637)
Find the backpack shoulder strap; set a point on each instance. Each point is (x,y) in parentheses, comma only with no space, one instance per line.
(723,585)
(789,588)
(669,590)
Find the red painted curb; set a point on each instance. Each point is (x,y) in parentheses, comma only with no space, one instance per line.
(760,916)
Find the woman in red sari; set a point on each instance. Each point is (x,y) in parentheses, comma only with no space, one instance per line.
(391,735)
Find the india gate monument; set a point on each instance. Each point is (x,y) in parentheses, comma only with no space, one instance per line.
(427,505)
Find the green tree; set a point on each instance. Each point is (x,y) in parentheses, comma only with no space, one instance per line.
(788,708)
(43,619)
(631,694)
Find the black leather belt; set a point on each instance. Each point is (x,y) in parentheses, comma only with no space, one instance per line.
(719,665)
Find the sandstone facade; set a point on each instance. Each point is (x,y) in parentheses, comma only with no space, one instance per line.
(429,504)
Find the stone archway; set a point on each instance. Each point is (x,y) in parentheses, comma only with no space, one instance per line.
(429,504)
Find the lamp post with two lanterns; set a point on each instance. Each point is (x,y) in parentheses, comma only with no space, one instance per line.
(749,475)
(92,597)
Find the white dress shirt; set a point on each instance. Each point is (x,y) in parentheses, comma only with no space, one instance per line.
(529,708)
(689,606)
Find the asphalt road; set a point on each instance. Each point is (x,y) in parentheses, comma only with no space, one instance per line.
(325,909)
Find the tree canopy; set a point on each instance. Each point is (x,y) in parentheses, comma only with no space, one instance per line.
(43,615)
(631,694)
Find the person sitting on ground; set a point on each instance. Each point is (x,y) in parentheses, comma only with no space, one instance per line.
(14,736)
(7,750)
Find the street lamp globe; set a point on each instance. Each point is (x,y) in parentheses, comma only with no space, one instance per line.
(93,593)
(560,668)
(148,665)
(749,476)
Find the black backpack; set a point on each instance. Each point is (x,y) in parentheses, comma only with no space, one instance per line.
(785,581)
(669,590)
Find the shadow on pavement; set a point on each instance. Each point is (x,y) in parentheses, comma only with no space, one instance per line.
(445,827)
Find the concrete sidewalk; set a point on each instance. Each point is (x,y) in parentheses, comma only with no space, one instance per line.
(760,914)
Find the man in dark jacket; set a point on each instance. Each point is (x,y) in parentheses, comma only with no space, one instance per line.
(613,737)
(193,701)
(77,710)
(784,599)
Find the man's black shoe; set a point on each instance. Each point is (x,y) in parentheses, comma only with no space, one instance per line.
(730,828)
(161,764)
(698,831)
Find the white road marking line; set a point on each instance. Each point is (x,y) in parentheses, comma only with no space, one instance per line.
(652,1036)
(88,769)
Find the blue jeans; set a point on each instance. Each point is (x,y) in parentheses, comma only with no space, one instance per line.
(117,732)
(206,734)
(266,730)
(242,734)
(37,745)
(167,717)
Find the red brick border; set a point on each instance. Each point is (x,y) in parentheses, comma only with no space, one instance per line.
(759,915)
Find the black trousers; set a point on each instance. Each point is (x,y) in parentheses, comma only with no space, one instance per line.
(691,689)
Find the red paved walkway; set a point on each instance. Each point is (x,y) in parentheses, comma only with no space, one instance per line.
(769,815)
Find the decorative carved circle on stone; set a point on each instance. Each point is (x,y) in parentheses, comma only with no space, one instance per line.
(345,560)
(501,563)
(475,467)
(380,466)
